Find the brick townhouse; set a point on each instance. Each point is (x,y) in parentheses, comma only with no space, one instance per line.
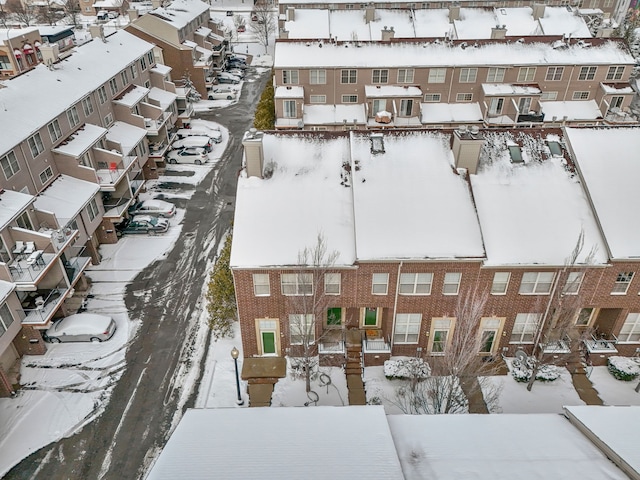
(78,142)
(440,83)
(415,235)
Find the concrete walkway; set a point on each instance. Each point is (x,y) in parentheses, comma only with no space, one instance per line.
(583,385)
(261,375)
(355,385)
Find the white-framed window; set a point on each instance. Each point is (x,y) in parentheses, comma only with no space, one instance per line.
(349,98)
(147,84)
(451,284)
(92,210)
(572,285)
(526,74)
(45,175)
(293,284)
(468,75)
(379,105)
(379,283)
(124,77)
(349,76)
(302,329)
(317,77)
(440,335)
(495,105)
(72,116)
(133,71)
(616,102)
(6,319)
(587,73)
(524,105)
(464,97)
(432,97)
(143,63)
(437,75)
(289,108)
(113,86)
(536,283)
(102,94)
(261,285)
(35,145)
(317,99)
(405,75)
(380,75)
(621,285)
(87,106)
(150,58)
(10,165)
(630,331)
(406,107)
(607,3)
(415,283)
(580,95)
(495,74)
(524,328)
(554,74)
(549,96)
(107,120)
(489,331)
(500,283)
(407,329)
(290,77)
(54,131)
(583,319)
(332,283)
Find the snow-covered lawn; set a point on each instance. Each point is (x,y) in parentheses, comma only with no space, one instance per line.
(71,384)
(612,391)
(381,391)
(330,387)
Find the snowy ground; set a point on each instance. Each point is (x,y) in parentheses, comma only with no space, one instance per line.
(330,388)
(612,391)
(70,385)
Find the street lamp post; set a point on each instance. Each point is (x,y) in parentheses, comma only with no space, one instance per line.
(234,354)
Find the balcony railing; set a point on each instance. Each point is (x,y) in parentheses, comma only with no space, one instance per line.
(531,118)
(601,345)
(377,345)
(41,305)
(329,347)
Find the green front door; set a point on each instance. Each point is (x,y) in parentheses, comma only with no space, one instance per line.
(370,317)
(268,343)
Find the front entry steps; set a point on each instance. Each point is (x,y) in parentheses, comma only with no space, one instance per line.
(353,370)
(261,374)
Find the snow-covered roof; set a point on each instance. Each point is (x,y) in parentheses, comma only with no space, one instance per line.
(407,186)
(292,54)
(517,204)
(134,95)
(340,443)
(58,199)
(50,30)
(617,89)
(278,217)
(334,114)
(81,140)
(608,163)
(5,289)
(179,13)
(289,92)
(508,89)
(53,91)
(161,69)
(10,33)
(497,447)
(573,110)
(615,428)
(385,91)
(560,21)
(163,97)
(11,205)
(450,112)
(128,136)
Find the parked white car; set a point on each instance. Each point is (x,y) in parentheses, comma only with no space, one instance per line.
(158,208)
(221,94)
(187,155)
(237,72)
(194,141)
(213,133)
(81,327)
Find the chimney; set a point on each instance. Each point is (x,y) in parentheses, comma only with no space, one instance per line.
(291,14)
(538,11)
(133,14)
(50,53)
(97,31)
(467,143)
(369,13)
(498,32)
(253,153)
(454,13)
(284,33)
(387,34)
(156,4)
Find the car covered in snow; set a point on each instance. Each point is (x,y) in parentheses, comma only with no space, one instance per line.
(156,208)
(221,94)
(212,132)
(187,155)
(194,141)
(224,77)
(143,224)
(81,327)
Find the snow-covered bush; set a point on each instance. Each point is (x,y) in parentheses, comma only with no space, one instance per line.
(522,371)
(548,373)
(406,368)
(624,368)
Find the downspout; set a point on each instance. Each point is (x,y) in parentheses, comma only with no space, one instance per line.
(395,305)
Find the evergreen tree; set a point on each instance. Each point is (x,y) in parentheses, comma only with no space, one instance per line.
(221,295)
(265,118)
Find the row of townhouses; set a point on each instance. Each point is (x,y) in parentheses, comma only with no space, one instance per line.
(421,218)
(80,136)
(438,83)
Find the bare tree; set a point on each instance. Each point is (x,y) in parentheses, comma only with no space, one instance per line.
(265,24)
(557,338)
(459,373)
(310,305)
(48,13)
(72,11)
(24,13)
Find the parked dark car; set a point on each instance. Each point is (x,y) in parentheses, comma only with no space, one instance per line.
(143,224)
(229,13)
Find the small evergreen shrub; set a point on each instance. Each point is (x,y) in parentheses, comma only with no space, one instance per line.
(406,368)
(623,368)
